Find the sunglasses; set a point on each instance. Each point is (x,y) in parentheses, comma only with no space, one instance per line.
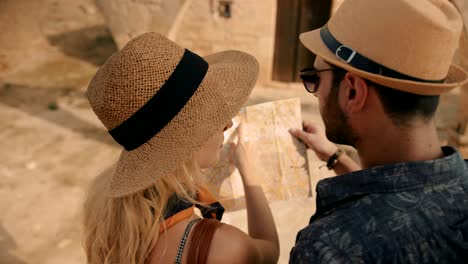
(311,79)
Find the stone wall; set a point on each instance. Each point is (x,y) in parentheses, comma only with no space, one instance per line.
(130,18)
(21,37)
(251,28)
(39,32)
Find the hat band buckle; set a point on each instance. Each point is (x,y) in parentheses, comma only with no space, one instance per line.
(346,49)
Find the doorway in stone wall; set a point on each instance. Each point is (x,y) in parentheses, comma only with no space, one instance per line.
(292,18)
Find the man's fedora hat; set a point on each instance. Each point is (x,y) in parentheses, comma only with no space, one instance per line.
(162,102)
(407,45)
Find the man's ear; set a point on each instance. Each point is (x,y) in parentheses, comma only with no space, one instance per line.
(355,92)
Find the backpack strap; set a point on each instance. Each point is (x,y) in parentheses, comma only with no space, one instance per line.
(200,242)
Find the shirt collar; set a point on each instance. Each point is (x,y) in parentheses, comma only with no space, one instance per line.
(390,178)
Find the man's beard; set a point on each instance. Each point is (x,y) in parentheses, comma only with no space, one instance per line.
(337,128)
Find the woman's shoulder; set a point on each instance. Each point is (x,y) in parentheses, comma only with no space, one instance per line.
(232,245)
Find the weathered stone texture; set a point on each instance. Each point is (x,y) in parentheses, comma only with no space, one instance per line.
(37,32)
(21,35)
(251,28)
(130,18)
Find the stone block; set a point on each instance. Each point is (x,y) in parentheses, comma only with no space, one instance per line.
(21,38)
(130,18)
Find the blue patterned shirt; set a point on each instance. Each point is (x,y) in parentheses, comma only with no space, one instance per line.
(414,212)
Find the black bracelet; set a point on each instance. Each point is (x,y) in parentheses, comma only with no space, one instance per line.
(333,160)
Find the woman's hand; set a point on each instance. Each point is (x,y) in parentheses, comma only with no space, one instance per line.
(315,138)
(244,157)
(261,226)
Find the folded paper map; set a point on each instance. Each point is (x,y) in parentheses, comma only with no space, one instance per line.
(281,162)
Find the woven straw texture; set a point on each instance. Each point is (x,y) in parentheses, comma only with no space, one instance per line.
(135,74)
(414,37)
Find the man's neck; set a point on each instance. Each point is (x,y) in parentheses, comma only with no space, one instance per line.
(391,144)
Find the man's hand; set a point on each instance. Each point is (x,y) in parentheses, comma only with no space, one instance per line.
(314,137)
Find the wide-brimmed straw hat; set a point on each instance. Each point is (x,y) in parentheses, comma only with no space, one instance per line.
(162,102)
(403,44)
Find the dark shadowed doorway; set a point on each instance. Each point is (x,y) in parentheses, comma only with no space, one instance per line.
(292,18)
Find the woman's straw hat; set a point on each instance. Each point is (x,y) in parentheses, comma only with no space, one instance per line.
(407,45)
(162,102)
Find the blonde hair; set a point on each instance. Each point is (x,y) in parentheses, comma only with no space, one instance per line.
(125,229)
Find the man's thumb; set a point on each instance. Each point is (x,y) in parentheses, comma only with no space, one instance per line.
(298,133)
